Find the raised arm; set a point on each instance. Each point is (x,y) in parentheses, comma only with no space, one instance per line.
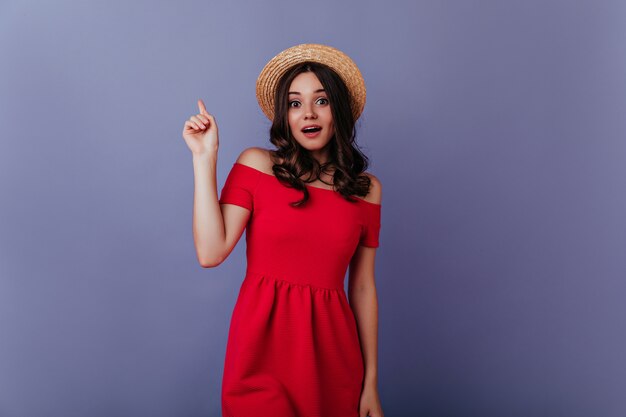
(216,229)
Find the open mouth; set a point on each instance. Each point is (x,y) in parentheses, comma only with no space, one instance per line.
(311,129)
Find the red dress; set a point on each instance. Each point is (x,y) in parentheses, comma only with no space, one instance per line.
(293,348)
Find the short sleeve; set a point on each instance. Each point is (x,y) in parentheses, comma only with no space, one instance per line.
(370,229)
(240,186)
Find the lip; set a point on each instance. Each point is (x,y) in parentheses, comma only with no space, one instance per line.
(313,134)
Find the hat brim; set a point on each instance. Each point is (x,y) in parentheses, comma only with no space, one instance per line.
(341,63)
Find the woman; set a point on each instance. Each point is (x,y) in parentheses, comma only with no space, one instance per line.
(296,346)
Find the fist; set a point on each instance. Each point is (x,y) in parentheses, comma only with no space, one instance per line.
(200,132)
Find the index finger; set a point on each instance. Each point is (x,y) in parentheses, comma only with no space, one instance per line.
(201,107)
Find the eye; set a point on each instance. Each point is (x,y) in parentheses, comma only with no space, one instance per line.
(322,101)
(294,103)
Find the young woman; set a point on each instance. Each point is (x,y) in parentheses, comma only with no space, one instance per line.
(296,346)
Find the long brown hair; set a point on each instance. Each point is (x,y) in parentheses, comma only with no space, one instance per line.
(291,160)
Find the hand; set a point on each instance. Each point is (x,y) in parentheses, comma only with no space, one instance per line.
(370,403)
(200,132)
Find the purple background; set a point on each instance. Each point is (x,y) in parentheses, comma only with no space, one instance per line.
(498,130)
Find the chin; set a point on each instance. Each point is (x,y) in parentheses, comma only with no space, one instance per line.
(314,146)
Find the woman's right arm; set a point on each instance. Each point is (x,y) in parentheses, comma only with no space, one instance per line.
(216,230)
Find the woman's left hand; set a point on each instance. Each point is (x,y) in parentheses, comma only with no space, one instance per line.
(370,403)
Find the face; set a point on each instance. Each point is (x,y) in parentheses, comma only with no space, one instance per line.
(309,107)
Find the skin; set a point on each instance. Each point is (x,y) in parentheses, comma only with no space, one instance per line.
(309,104)
(218,227)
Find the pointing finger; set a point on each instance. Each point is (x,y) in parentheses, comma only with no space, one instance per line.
(201,107)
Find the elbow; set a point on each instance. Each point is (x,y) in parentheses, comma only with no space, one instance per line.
(205,264)
(210,262)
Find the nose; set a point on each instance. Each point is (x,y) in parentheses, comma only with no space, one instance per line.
(310,113)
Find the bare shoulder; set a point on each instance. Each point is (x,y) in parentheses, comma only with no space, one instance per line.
(257,158)
(376,190)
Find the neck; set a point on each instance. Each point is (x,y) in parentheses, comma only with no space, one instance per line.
(320,155)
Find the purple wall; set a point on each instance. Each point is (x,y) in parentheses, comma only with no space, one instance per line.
(496,128)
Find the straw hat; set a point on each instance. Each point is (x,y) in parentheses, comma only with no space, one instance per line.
(335,59)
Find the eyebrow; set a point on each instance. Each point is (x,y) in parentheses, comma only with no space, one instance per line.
(316,91)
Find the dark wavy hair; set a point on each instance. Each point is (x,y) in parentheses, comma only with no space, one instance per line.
(344,154)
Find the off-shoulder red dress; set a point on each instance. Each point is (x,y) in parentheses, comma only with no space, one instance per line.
(293,348)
